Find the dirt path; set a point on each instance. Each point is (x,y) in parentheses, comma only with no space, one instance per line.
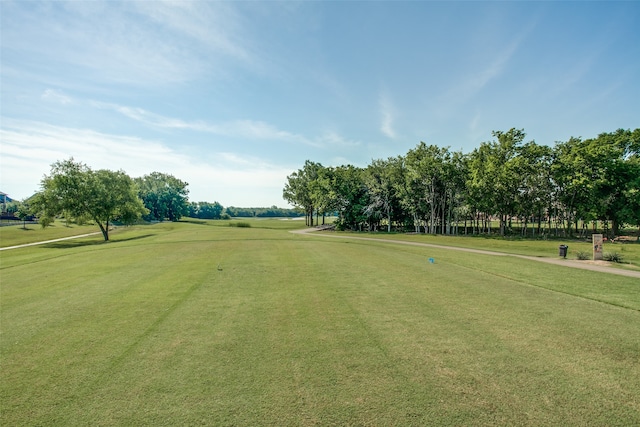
(49,241)
(585,265)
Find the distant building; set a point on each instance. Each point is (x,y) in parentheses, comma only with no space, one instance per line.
(4,199)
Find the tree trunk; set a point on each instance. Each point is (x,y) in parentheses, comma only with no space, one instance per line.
(103,229)
(539,220)
(614,227)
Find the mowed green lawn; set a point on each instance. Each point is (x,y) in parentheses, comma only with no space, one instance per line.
(198,324)
(29,233)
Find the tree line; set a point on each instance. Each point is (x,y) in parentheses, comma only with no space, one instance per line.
(80,194)
(564,189)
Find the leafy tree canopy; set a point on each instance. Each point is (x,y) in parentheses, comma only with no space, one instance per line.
(164,195)
(80,192)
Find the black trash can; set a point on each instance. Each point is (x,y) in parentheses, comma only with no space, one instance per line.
(562,249)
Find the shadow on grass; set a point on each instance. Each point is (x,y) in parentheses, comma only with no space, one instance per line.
(194,221)
(68,244)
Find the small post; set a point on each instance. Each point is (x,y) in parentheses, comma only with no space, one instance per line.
(597,246)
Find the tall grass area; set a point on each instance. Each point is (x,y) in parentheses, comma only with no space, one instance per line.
(199,323)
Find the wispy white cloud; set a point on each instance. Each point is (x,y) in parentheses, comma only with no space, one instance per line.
(216,26)
(241,128)
(29,148)
(493,63)
(142,43)
(387,114)
(52,95)
(474,83)
(334,139)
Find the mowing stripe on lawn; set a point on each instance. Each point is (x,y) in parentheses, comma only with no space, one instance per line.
(297,331)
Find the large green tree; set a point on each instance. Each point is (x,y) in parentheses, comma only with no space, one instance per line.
(597,178)
(535,191)
(379,178)
(616,192)
(425,172)
(351,198)
(205,210)
(300,189)
(77,190)
(164,195)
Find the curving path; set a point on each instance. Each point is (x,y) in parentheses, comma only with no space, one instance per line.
(308,231)
(557,261)
(49,241)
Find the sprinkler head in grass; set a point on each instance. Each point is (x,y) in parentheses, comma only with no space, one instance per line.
(219,268)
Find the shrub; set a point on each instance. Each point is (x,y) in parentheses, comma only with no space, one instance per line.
(582,255)
(612,256)
(240,224)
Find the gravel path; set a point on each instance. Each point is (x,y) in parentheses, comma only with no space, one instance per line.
(585,265)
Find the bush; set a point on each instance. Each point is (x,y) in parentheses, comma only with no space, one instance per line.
(612,257)
(240,224)
(581,255)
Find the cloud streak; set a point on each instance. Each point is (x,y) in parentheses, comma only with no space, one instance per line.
(55,96)
(484,73)
(387,114)
(29,148)
(109,42)
(241,128)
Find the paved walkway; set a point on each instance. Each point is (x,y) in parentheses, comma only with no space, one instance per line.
(584,265)
(49,241)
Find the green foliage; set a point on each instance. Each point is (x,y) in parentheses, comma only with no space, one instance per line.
(613,257)
(205,210)
(239,224)
(164,195)
(583,255)
(24,211)
(11,207)
(80,192)
(351,197)
(271,212)
(506,179)
(300,189)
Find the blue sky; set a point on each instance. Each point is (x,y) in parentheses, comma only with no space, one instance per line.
(234,96)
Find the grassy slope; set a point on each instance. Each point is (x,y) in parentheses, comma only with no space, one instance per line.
(293,330)
(17,234)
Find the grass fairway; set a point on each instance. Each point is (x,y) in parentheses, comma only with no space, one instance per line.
(198,324)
